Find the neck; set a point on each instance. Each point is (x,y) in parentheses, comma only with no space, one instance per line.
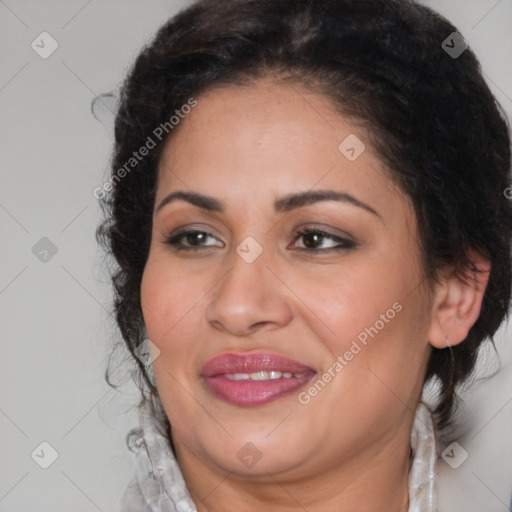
(373,480)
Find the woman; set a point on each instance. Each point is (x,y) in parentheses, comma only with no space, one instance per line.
(309,221)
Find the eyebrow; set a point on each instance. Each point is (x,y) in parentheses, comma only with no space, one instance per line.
(283,204)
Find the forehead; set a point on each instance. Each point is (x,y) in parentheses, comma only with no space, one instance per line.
(266,140)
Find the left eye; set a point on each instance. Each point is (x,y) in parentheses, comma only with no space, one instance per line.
(312,238)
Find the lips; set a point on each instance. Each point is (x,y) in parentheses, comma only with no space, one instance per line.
(250,363)
(254,379)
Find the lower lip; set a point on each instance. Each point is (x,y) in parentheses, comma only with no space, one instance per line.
(250,393)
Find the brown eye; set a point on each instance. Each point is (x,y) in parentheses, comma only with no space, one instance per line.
(313,238)
(189,240)
(195,238)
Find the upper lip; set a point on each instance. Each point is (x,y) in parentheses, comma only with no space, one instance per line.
(250,363)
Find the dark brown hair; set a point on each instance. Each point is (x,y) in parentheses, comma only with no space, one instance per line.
(431,118)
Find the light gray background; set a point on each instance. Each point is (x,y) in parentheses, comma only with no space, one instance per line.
(56,335)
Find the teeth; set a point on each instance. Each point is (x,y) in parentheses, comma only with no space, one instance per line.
(259,376)
(263,375)
(238,376)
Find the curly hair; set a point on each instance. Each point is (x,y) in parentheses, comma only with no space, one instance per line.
(430,115)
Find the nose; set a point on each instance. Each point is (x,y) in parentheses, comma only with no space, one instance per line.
(250,298)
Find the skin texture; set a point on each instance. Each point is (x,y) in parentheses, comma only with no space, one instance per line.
(247,146)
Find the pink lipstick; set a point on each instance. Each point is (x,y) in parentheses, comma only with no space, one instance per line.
(254,379)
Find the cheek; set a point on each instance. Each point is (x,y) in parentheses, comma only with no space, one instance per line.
(351,299)
(373,316)
(167,302)
(153,298)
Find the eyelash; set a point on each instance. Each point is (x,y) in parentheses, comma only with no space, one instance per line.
(344,244)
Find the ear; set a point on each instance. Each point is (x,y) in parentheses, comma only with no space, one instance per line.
(457,303)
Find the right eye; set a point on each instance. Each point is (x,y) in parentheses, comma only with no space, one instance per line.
(194,240)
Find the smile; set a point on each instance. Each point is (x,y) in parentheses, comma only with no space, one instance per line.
(254,379)
(263,375)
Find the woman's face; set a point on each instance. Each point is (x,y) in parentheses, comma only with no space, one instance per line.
(344,303)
